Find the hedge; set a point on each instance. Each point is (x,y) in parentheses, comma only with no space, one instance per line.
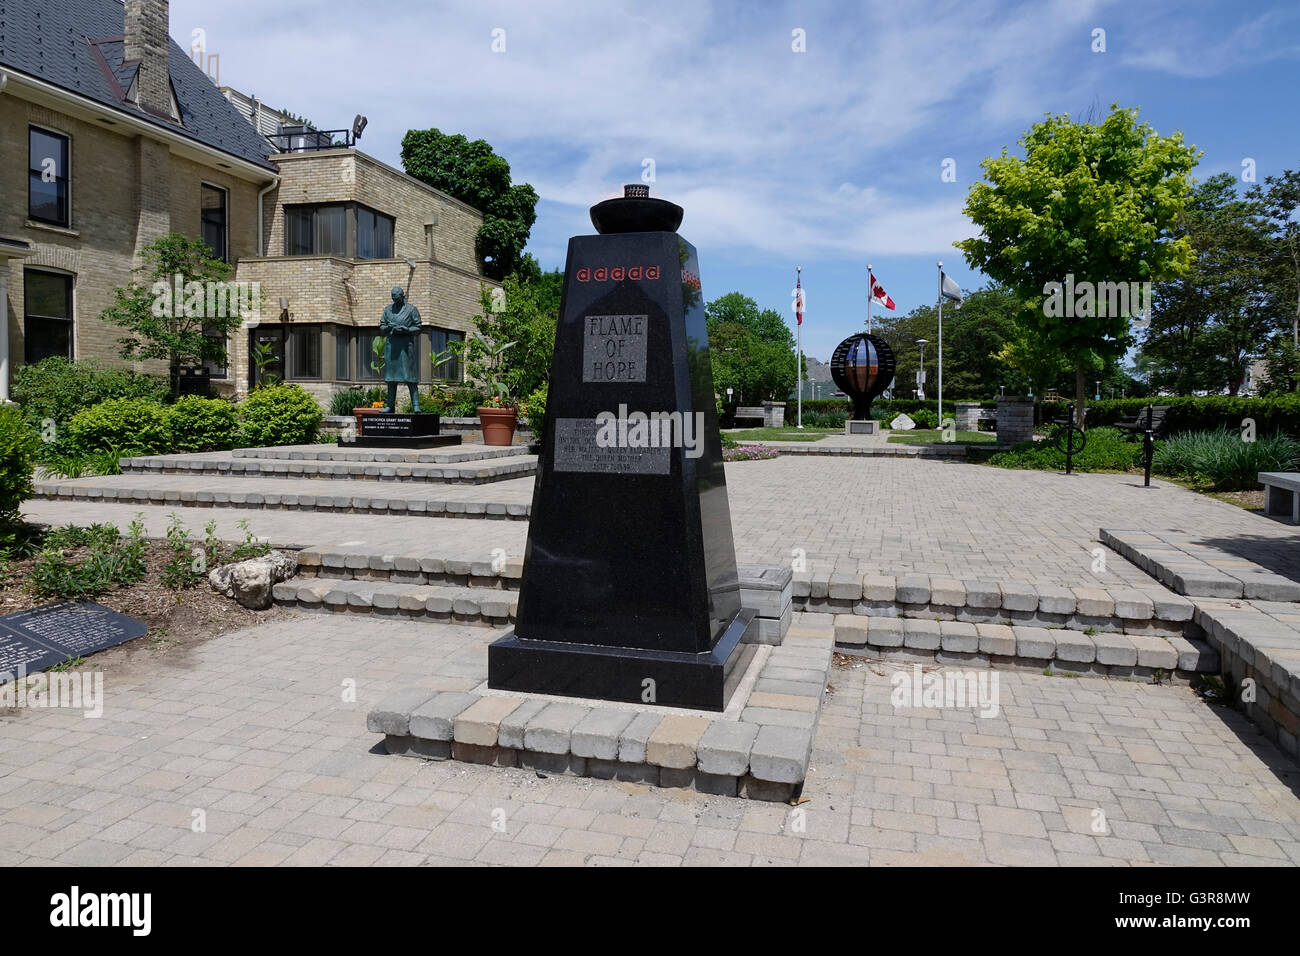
(57,389)
(203,424)
(1191,413)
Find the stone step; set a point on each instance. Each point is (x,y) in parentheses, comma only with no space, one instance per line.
(223,464)
(332,452)
(1151,611)
(882,450)
(438,603)
(510,500)
(1189,565)
(1020,647)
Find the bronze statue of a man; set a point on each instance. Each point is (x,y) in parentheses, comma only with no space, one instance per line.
(400,326)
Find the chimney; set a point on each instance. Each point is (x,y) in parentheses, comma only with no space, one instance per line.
(147,40)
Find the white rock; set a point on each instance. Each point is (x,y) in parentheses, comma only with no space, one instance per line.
(902,423)
(250,582)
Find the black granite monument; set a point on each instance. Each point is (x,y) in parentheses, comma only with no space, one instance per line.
(401,430)
(629,587)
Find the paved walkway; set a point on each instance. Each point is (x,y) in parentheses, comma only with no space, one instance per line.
(879,515)
(252,735)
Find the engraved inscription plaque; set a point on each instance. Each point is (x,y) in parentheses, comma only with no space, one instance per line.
(614,348)
(576,449)
(49,635)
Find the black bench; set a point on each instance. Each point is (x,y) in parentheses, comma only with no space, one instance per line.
(1154,418)
(1151,424)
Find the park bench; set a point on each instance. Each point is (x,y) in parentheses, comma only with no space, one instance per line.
(750,412)
(1281,493)
(1155,417)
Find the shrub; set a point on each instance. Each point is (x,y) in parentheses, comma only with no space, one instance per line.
(17,459)
(1107,449)
(203,424)
(85,562)
(343,402)
(57,389)
(280,415)
(534,410)
(924,417)
(1222,459)
(122,423)
(821,419)
(464,402)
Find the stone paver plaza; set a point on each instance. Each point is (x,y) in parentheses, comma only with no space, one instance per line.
(264,730)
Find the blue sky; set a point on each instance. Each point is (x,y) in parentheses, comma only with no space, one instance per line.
(829,158)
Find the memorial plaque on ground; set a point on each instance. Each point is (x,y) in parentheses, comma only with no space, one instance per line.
(45,636)
(629,588)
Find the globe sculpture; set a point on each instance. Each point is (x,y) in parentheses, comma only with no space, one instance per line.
(862,366)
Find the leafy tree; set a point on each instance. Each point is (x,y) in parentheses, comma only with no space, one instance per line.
(1278,198)
(525,315)
(752,350)
(1281,369)
(190,332)
(473,173)
(1096,201)
(1038,364)
(979,329)
(1208,324)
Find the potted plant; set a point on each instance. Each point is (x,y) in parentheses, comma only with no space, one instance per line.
(500,416)
(376,401)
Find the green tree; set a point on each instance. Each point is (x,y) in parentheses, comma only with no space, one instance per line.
(1208,324)
(188,332)
(752,350)
(473,173)
(971,334)
(524,314)
(1278,199)
(1096,201)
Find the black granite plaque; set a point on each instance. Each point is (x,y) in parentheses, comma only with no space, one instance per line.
(401,430)
(629,588)
(49,635)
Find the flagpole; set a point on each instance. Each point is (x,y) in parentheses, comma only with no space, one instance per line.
(798,355)
(940,266)
(870,292)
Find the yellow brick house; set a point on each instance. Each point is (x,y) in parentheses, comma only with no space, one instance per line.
(110,136)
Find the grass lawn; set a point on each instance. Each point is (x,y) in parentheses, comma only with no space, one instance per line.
(933,436)
(788,433)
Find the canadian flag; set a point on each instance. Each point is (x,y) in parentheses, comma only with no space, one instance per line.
(878,293)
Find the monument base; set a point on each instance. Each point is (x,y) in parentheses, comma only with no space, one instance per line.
(697,681)
(861,426)
(396,430)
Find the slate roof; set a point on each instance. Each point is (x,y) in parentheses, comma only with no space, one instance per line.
(77,45)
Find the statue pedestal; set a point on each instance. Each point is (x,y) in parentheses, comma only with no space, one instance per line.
(394,430)
(861,427)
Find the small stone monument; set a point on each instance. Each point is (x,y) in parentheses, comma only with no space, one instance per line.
(903,423)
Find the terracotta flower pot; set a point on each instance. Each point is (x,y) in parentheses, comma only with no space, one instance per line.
(358,412)
(498,425)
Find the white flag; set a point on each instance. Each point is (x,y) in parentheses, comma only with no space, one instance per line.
(952,290)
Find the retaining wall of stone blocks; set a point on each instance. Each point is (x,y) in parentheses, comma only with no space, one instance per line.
(1000,646)
(1259,642)
(1152,612)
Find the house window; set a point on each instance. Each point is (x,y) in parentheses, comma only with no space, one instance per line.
(342,353)
(47,178)
(217,369)
(347,230)
(316,230)
(47,315)
(439,339)
(366,356)
(374,234)
(304,351)
(214,221)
